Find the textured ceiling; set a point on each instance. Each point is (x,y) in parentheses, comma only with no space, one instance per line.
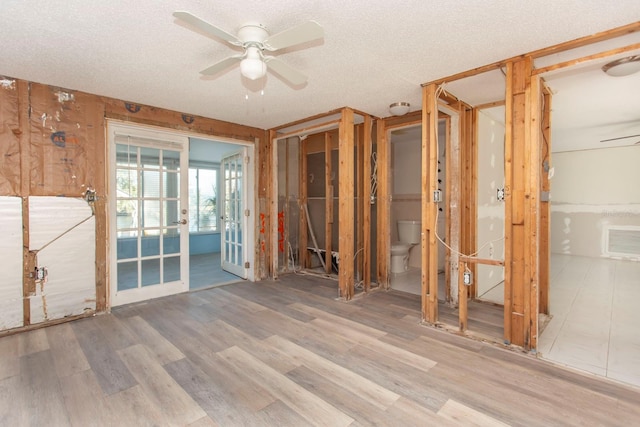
(374,52)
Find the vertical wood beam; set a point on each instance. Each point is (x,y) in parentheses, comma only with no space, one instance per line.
(383,200)
(272,198)
(328,215)
(366,204)
(545,204)
(463,295)
(28,258)
(359,200)
(429,185)
(469,187)
(303,235)
(522,171)
(346,203)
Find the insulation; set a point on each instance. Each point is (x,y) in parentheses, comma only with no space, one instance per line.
(11,255)
(9,141)
(64,128)
(62,233)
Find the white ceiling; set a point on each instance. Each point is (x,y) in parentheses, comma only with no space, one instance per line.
(374,52)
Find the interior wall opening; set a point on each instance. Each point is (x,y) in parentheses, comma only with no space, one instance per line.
(595,223)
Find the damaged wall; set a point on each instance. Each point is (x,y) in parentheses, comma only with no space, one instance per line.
(52,150)
(591,191)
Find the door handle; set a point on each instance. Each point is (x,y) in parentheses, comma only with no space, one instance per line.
(183,222)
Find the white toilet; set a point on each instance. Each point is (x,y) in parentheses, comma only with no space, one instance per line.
(409,233)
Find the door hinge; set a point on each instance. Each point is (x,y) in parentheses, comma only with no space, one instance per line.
(247,212)
(246,264)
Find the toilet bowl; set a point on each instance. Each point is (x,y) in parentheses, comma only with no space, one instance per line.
(409,233)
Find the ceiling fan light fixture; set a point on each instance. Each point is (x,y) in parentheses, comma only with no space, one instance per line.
(399,108)
(623,66)
(253,67)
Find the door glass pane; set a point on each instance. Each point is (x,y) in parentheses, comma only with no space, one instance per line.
(127,275)
(150,246)
(150,183)
(127,247)
(150,158)
(150,272)
(172,213)
(150,213)
(171,241)
(171,269)
(126,155)
(171,187)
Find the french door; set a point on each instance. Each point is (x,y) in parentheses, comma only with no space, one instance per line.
(149,212)
(233,215)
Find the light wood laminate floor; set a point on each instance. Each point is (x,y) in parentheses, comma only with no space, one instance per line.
(286,353)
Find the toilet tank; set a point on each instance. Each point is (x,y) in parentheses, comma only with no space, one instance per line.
(409,232)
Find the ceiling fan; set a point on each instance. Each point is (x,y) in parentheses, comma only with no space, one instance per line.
(255,39)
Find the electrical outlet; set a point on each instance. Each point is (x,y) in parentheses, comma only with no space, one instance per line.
(467,278)
(500,194)
(437,196)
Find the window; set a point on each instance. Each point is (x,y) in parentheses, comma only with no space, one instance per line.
(203,199)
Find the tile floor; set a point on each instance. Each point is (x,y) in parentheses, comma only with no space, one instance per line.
(205,271)
(595,308)
(595,317)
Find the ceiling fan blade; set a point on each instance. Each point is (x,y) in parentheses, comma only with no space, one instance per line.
(207,27)
(222,65)
(302,33)
(288,73)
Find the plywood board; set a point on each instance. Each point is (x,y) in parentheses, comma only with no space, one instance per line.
(11,255)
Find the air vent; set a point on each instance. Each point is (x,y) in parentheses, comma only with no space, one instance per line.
(622,241)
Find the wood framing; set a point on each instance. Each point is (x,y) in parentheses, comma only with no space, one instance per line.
(303,235)
(469,187)
(545,203)
(522,155)
(366,203)
(328,213)
(429,207)
(383,201)
(346,201)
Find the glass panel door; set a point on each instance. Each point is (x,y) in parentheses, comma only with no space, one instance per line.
(232,255)
(151,231)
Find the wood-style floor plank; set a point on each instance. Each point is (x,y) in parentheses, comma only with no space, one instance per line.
(68,357)
(315,410)
(288,353)
(112,375)
(175,403)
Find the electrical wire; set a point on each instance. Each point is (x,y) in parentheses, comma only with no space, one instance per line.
(439,91)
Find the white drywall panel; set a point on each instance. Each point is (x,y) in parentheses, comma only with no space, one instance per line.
(11,256)
(591,191)
(491,217)
(64,232)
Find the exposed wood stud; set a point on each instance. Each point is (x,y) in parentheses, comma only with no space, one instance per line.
(545,204)
(328,171)
(383,202)
(429,185)
(346,204)
(366,205)
(302,223)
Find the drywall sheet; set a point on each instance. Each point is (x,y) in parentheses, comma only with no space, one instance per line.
(65,129)
(62,233)
(11,255)
(9,142)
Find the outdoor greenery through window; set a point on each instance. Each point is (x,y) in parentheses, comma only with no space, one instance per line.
(203,200)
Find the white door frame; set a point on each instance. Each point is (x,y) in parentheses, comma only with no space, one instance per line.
(151,138)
